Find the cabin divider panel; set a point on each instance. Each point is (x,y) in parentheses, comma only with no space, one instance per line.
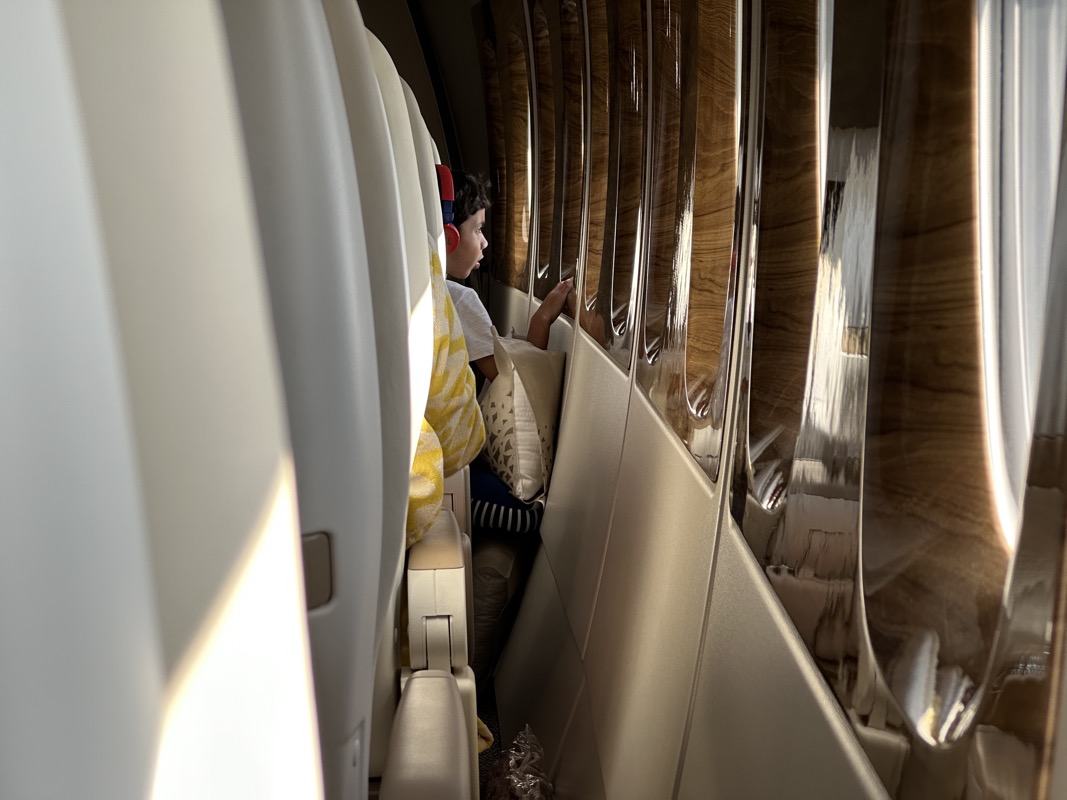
(615,304)
(917,625)
(515,66)
(545,78)
(866,397)
(786,251)
(598,118)
(796,485)
(694,231)
(934,557)
(494,113)
(567,19)
(939,541)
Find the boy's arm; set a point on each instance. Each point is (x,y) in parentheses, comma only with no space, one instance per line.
(487,366)
(551,307)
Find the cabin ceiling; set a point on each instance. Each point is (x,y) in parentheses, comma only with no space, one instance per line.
(435,50)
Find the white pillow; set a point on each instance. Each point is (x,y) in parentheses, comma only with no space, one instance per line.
(521,410)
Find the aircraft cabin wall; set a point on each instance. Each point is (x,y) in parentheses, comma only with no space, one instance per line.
(790,542)
(806,533)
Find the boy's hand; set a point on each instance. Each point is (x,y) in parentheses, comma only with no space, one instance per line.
(556,300)
(551,307)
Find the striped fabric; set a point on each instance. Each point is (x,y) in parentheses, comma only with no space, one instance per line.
(491,516)
(494,508)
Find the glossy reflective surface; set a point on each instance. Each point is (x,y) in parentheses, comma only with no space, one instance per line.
(812,557)
(598,118)
(570,99)
(1028,662)
(624,217)
(787,251)
(798,484)
(513,59)
(1021,63)
(546,274)
(697,137)
(494,113)
(934,555)
(899,464)
(617,117)
(949,659)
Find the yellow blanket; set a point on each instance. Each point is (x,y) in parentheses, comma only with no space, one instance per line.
(453,431)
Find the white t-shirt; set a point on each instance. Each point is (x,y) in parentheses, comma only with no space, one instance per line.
(477,327)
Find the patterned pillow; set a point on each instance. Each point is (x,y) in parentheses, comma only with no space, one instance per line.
(521,410)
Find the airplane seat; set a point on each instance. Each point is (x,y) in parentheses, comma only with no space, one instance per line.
(427,158)
(437,585)
(313,232)
(499,564)
(81,667)
(457,486)
(339,355)
(402,346)
(407,327)
(151,111)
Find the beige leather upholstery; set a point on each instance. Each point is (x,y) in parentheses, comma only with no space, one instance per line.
(311,222)
(397,343)
(411,222)
(439,600)
(430,712)
(157,130)
(427,159)
(81,668)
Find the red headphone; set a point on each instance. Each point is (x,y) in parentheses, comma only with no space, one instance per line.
(448,196)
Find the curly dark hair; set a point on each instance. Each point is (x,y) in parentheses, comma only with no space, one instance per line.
(472,195)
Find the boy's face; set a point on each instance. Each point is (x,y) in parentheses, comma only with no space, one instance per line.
(464,259)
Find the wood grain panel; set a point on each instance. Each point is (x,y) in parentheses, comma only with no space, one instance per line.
(546,274)
(596,18)
(570,104)
(934,558)
(626,156)
(666,207)
(715,186)
(494,113)
(788,256)
(514,68)
(692,204)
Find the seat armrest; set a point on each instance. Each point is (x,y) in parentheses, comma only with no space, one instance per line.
(428,747)
(438,597)
(440,603)
(457,497)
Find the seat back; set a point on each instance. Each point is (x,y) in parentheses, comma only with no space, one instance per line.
(454,429)
(412,224)
(412,212)
(457,485)
(312,229)
(426,157)
(81,669)
(160,128)
(403,332)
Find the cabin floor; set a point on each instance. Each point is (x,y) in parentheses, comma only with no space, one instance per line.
(488,713)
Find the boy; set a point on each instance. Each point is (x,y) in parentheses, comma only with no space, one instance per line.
(468,209)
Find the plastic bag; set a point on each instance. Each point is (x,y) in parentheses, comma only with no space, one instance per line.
(519,772)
